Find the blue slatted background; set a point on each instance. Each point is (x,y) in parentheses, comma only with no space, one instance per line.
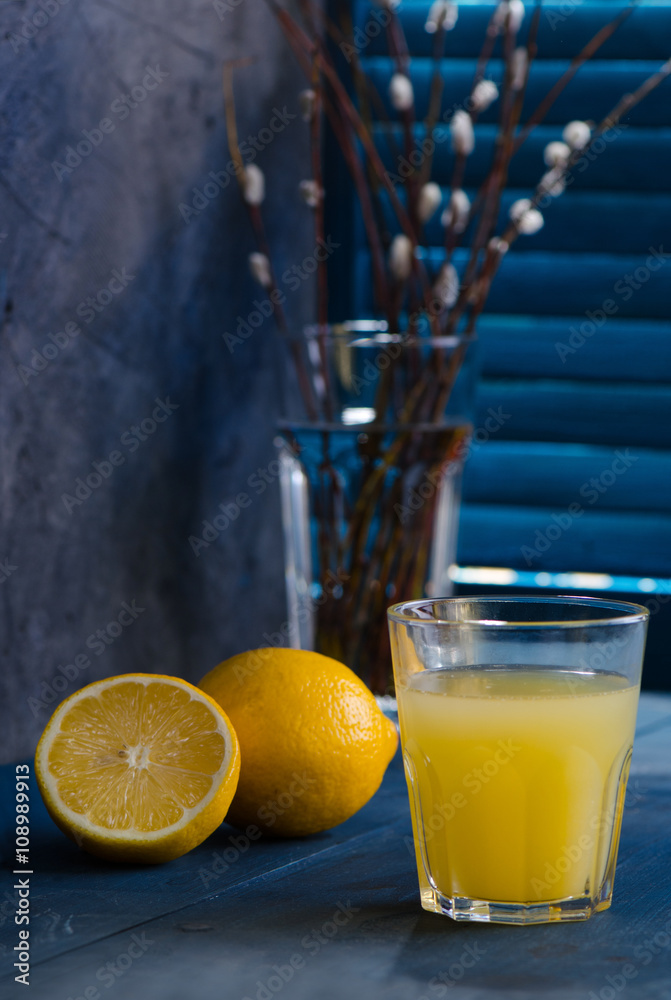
(566,418)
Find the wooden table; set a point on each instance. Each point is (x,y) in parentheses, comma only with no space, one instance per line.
(335,917)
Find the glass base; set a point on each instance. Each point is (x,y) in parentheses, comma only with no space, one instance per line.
(484,911)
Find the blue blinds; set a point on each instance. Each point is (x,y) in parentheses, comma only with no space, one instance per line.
(576,341)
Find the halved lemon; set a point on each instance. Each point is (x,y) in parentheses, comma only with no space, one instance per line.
(138,768)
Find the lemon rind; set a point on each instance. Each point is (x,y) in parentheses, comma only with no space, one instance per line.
(78,823)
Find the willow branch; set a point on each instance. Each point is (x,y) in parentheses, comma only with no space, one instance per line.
(322,271)
(304,381)
(398,50)
(350,114)
(459,168)
(345,141)
(512,232)
(435,97)
(583,56)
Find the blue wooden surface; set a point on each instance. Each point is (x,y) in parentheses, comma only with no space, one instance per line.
(210,934)
(585,221)
(596,89)
(563,473)
(518,347)
(637,159)
(549,539)
(570,399)
(560,35)
(556,283)
(602,413)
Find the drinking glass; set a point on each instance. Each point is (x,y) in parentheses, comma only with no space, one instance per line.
(517,720)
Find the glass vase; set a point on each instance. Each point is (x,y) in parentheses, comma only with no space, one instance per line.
(376,429)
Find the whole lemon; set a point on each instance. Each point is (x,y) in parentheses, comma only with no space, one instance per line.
(314,745)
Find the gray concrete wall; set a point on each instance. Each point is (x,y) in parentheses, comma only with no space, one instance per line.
(68,568)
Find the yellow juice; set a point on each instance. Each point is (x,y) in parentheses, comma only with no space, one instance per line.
(516,779)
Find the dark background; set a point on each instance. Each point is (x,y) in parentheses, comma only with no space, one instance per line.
(67,574)
(127,206)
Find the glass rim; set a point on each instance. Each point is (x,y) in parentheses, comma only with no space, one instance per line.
(630,613)
(376,333)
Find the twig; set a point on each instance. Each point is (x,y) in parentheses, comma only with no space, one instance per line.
(583,56)
(436,95)
(536,118)
(399,52)
(229,112)
(503,152)
(350,114)
(305,383)
(345,140)
(322,271)
(512,232)
(459,168)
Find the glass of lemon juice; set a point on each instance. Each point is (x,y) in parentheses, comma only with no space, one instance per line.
(517,720)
